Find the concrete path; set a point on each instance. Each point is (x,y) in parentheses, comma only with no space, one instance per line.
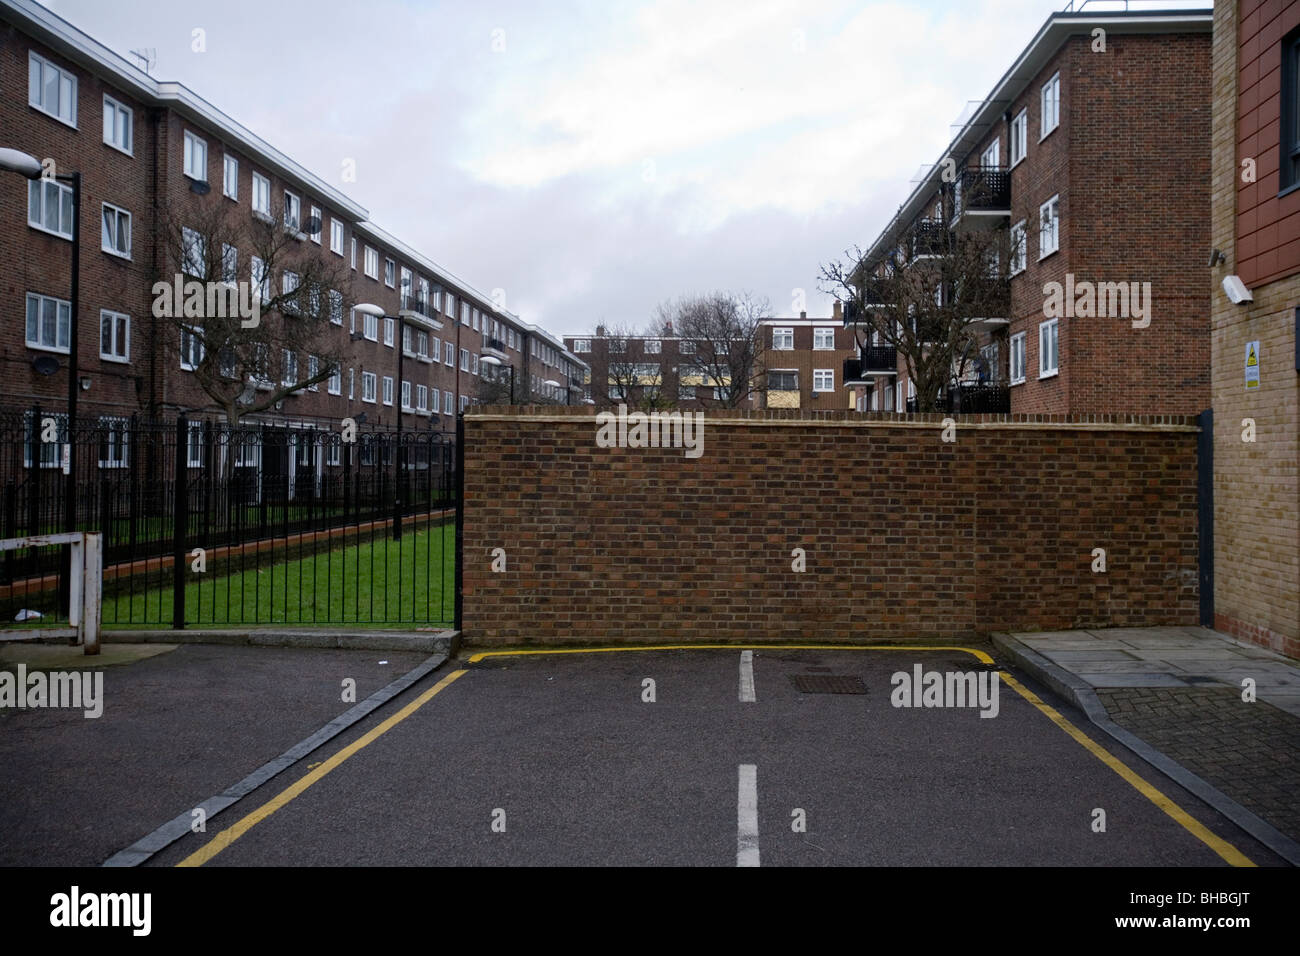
(1219,716)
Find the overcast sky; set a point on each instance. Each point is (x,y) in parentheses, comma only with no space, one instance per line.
(595,158)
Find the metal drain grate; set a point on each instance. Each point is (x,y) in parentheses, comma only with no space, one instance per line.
(827,684)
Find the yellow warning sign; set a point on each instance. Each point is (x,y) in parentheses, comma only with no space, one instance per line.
(1252,364)
(1251,357)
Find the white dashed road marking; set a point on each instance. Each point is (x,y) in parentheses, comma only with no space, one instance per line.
(747,677)
(747,817)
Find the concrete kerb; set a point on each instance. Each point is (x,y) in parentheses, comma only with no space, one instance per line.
(428,642)
(1082,695)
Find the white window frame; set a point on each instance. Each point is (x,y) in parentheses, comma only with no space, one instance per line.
(319,216)
(372,263)
(34,59)
(354,254)
(260,276)
(406,395)
(191,357)
(194,252)
(114,318)
(782,339)
(581,346)
(119,109)
(824,333)
(1054,234)
(64,200)
(230,176)
(1016,359)
(448,402)
(336,236)
(464,360)
(390,273)
(369,387)
(390,330)
(193,163)
(387,386)
(370,327)
(118,214)
(313,369)
(261,195)
(827,378)
(334,385)
(1018,147)
(352,383)
(289,367)
(991,156)
(1019,251)
(336,307)
(1050,106)
(1049,345)
(449,358)
(292,212)
(421,398)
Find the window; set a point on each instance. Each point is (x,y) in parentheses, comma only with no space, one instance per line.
(473,360)
(823,380)
(336,237)
(989,158)
(451,306)
(336,307)
(193,252)
(194,446)
(49,323)
(685,392)
(117,124)
(1017,239)
(783,381)
(616,346)
(1019,137)
(370,327)
(354,254)
(464,313)
(824,339)
(230,177)
(196,157)
(448,402)
(422,345)
(51,89)
(49,206)
(474,322)
(289,370)
(783,339)
(292,211)
(581,346)
(114,336)
(288,286)
(112,443)
(1051,116)
(450,358)
(1289,167)
(437,349)
(115,231)
(335,383)
(408,340)
(1048,358)
(313,369)
(261,277)
(388,390)
(316,223)
(686,348)
(191,348)
(352,380)
(369,383)
(464,360)
(261,195)
(422,397)
(653,346)
(464,402)
(406,394)
(1049,227)
(407,287)
(390,273)
(1017,358)
(229,263)
(372,263)
(390,331)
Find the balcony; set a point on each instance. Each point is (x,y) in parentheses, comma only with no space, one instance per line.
(874,361)
(929,239)
(416,308)
(987,302)
(973,400)
(495,347)
(981,198)
(873,297)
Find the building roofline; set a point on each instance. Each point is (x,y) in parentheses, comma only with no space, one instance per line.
(1050,37)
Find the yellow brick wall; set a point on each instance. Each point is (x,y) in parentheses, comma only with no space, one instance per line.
(1256,493)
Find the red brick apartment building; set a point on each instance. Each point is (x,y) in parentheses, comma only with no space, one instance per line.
(1255,355)
(805,360)
(1093,152)
(148,149)
(641,370)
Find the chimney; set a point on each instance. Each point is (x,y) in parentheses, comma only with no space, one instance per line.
(838,312)
(668,327)
(600,331)
(803,315)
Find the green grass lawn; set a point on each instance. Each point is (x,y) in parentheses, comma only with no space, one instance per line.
(379,581)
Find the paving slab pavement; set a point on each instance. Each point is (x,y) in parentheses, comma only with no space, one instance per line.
(1177,696)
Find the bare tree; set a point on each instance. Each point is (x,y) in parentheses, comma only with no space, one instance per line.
(925,298)
(249,305)
(725,331)
(633,377)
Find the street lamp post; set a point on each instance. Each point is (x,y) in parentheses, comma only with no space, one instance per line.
(493,360)
(24,164)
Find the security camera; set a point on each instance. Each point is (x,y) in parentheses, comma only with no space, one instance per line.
(1216,257)
(1236,290)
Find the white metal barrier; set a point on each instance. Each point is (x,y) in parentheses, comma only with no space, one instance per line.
(86,586)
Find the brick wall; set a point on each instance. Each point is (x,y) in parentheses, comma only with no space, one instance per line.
(904,534)
(1256,490)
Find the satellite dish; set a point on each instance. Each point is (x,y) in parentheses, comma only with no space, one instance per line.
(45,364)
(311,225)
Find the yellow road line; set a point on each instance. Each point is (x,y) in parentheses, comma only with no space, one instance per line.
(233,833)
(1220,846)
(228,836)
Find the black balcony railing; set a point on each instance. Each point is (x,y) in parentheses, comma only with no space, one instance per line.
(496,344)
(982,189)
(930,237)
(985,298)
(873,358)
(416,303)
(972,400)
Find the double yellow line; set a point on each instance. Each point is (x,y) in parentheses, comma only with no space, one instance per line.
(1223,848)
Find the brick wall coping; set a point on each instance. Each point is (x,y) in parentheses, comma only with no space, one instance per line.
(846,419)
